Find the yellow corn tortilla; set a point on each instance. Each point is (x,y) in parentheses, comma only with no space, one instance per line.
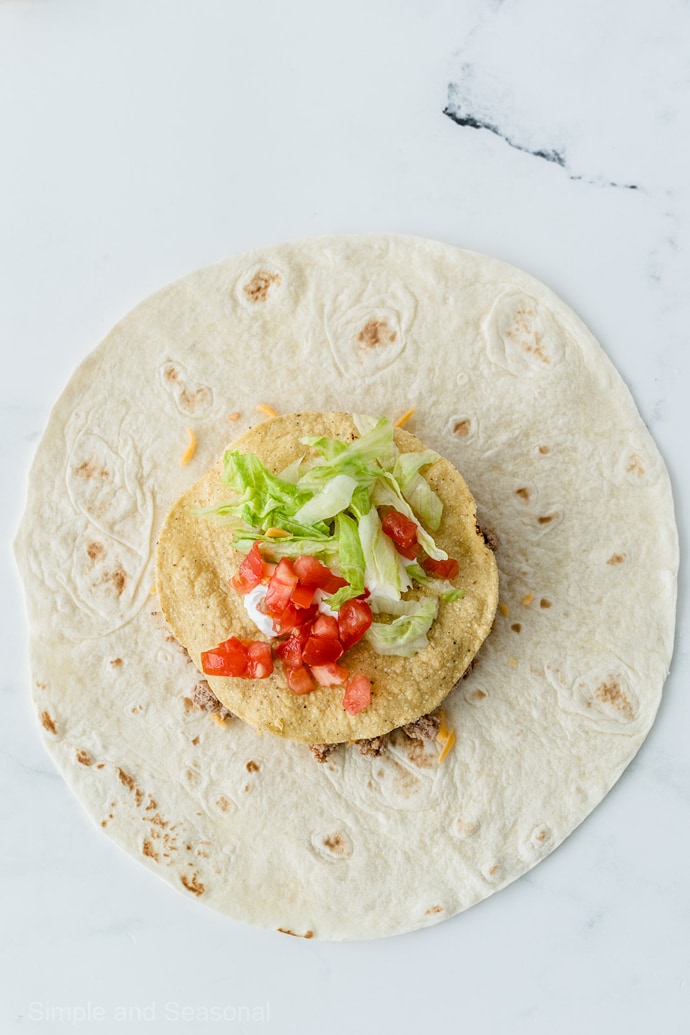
(196,562)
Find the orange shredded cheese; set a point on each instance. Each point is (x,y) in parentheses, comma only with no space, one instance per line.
(447,745)
(190,450)
(153,590)
(513,661)
(216,718)
(504,609)
(277,533)
(268,411)
(405,417)
(527,599)
(235,415)
(443,729)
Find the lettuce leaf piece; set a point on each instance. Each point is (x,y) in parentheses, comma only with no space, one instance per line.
(359,459)
(385,574)
(350,561)
(334,497)
(406,635)
(416,489)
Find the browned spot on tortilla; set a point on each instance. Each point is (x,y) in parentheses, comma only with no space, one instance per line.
(127,781)
(148,849)
(195,740)
(376,332)
(48,722)
(224,804)
(159,821)
(84,758)
(116,662)
(462,427)
(117,578)
(336,843)
(259,286)
(252,766)
(95,550)
(307,934)
(188,705)
(544,602)
(516,627)
(434,909)
(635,465)
(416,751)
(88,470)
(523,493)
(546,519)
(616,558)
(101,765)
(544,450)
(479,695)
(540,835)
(610,692)
(152,804)
(189,401)
(193,883)
(523,323)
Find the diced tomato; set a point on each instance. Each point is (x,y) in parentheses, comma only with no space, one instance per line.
(268,568)
(357,694)
(280,588)
(260,659)
(227,659)
(311,572)
(403,531)
(251,571)
(443,569)
(330,675)
(300,680)
(325,625)
(293,617)
(290,651)
(322,650)
(354,618)
(303,596)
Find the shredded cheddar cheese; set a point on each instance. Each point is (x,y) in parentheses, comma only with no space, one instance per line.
(527,599)
(235,415)
(153,590)
(513,661)
(277,533)
(504,609)
(217,719)
(190,450)
(268,411)
(447,745)
(405,417)
(445,736)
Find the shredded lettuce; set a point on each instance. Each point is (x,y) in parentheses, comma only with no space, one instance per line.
(406,635)
(328,508)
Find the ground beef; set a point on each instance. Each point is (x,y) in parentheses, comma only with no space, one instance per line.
(373,747)
(426,727)
(204,698)
(322,751)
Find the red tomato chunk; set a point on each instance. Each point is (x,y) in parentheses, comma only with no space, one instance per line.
(330,675)
(354,618)
(311,572)
(357,694)
(280,588)
(443,569)
(403,531)
(251,572)
(250,659)
(300,680)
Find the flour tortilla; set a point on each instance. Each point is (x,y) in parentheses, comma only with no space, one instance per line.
(510,387)
(196,563)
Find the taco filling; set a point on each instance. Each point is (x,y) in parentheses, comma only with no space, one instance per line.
(328,577)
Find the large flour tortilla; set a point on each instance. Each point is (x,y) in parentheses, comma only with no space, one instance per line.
(195,564)
(513,389)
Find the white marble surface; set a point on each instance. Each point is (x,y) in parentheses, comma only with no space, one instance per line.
(141,139)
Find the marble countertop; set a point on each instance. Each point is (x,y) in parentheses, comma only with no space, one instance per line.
(142,140)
